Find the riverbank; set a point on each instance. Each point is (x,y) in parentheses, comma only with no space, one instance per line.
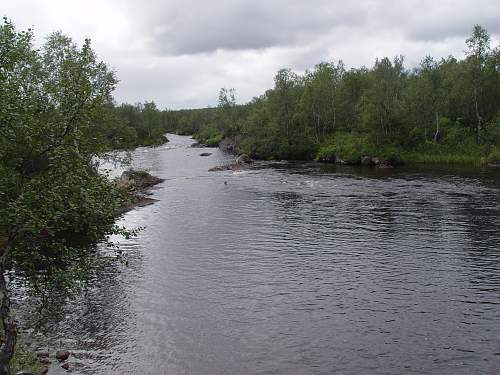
(350,151)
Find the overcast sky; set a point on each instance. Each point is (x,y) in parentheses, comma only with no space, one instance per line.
(180,52)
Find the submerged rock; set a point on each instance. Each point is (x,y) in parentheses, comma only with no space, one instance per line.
(62,355)
(205,154)
(65,366)
(241,162)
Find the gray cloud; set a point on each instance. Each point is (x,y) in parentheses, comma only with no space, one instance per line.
(200,27)
(179,53)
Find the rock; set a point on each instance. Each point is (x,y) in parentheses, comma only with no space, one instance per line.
(244,159)
(65,366)
(385,165)
(25,372)
(138,180)
(495,164)
(62,355)
(205,154)
(366,160)
(327,159)
(198,145)
(375,161)
(45,361)
(220,168)
(339,160)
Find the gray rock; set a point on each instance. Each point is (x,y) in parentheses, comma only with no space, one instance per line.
(244,159)
(62,355)
(366,160)
(198,145)
(339,160)
(385,165)
(25,372)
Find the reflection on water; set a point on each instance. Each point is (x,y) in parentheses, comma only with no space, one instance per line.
(298,268)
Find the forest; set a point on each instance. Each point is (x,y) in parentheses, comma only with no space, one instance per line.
(442,111)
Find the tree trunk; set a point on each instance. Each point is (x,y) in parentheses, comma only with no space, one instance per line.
(436,135)
(9,334)
(478,116)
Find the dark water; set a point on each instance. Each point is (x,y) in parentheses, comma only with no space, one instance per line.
(299,269)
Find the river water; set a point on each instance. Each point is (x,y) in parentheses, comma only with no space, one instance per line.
(298,268)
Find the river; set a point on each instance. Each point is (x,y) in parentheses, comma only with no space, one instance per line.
(298,268)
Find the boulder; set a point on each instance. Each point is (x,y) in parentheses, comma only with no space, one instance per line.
(244,159)
(327,159)
(62,355)
(137,180)
(385,165)
(198,145)
(366,160)
(220,168)
(339,160)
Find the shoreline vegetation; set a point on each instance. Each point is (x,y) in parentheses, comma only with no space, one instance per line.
(57,119)
(443,111)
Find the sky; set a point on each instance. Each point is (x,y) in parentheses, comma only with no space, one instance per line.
(179,53)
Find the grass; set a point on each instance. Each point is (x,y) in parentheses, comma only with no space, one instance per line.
(25,360)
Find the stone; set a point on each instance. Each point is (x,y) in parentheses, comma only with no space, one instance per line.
(366,160)
(62,355)
(198,145)
(205,154)
(65,366)
(25,372)
(244,159)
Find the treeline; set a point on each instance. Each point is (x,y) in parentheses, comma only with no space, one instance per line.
(444,110)
(128,126)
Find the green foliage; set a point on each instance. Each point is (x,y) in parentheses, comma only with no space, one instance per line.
(56,119)
(346,146)
(494,155)
(26,360)
(442,110)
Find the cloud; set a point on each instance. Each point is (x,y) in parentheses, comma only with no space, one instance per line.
(179,53)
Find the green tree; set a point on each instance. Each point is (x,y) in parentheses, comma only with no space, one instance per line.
(50,190)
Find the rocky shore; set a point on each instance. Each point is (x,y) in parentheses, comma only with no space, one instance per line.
(138,186)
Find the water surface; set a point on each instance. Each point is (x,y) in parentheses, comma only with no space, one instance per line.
(298,268)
